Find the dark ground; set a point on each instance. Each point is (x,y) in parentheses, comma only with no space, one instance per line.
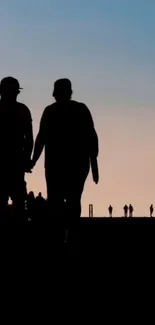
(117,237)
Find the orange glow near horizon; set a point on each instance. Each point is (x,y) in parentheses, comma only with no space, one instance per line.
(126,164)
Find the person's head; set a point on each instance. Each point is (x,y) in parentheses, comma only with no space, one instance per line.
(62,90)
(31,194)
(9,89)
(39,194)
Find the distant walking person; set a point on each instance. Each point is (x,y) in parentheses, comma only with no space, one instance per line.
(125,211)
(40,198)
(110,211)
(31,204)
(40,204)
(151,210)
(16,143)
(71,145)
(131,209)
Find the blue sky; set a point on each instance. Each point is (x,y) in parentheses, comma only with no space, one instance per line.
(111,43)
(107,49)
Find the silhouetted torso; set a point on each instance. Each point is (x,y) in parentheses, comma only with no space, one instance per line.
(14,119)
(67,131)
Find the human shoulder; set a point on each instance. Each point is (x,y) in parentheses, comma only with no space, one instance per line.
(81,106)
(47,115)
(22,106)
(83,110)
(23,110)
(49,109)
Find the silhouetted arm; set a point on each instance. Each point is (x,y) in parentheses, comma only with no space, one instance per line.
(28,137)
(93,144)
(40,140)
(91,134)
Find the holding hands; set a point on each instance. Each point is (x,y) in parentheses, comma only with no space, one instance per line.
(29,166)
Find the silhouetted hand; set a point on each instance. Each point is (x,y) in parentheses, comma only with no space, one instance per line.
(95,173)
(96,178)
(28,166)
(32,163)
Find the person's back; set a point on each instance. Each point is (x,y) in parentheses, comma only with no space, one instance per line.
(71,145)
(68,136)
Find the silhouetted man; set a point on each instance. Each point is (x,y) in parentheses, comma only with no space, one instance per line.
(131,211)
(16,143)
(40,203)
(71,144)
(31,203)
(126,211)
(151,210)
(110,211)
(39,197)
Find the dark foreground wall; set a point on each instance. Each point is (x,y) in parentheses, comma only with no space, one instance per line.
(118,237)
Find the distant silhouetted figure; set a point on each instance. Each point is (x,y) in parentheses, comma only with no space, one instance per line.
(31,204)
(24,195)
(131,211)
(16,143)
(40,204)
(151,210)
(110,211)
(40,198)
(126,211)
(71,144)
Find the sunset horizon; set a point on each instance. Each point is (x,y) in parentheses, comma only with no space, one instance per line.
(107,50)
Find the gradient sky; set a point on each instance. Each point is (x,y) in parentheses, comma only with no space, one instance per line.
(107,49)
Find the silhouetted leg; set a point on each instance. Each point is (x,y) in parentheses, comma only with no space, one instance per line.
(56,205)
(4,190)
(73,213)
(75,186)
(73,198)
(56,215)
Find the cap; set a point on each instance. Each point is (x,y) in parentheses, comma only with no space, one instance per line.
(11,83)
(63,84)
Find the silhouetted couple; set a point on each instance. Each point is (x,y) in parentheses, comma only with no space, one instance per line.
(71,146)
(130,209)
